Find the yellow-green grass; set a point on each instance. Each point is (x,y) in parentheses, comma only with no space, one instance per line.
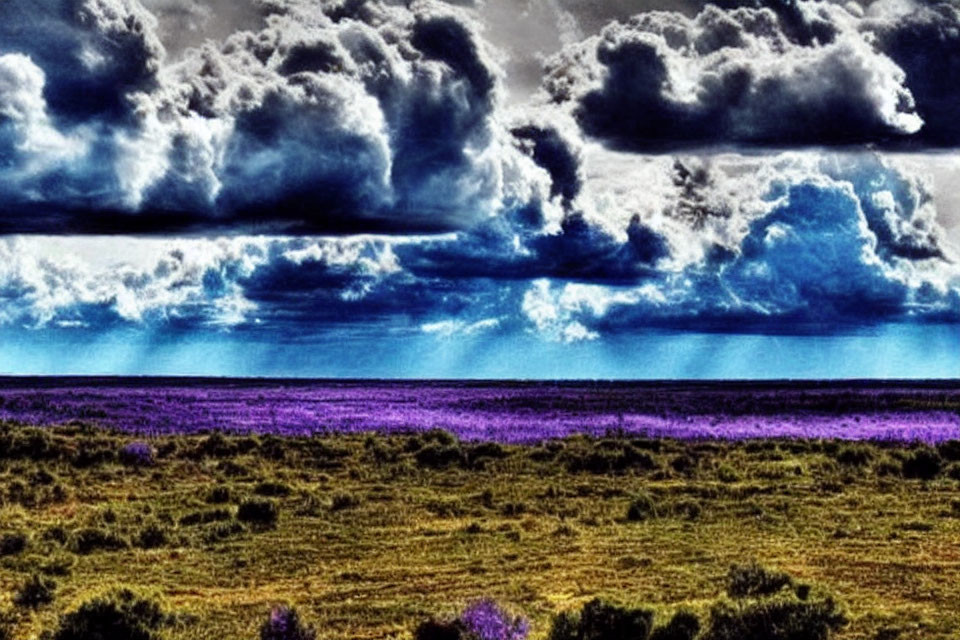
(414,541)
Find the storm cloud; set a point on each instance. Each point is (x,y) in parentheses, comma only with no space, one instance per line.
(782,74)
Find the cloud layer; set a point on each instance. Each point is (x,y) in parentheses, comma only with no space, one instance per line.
(829,244)
(361,165)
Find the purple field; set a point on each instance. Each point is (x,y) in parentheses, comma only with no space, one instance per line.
(506,412)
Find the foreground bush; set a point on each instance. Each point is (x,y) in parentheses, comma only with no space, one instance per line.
(121,615)
(284,624)
(683,626)
(777,619)
(482,620)
(599,620)
(485,620)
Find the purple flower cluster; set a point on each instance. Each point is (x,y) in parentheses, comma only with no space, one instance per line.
(502,412)
(284,624)
(138,454)
(486,620)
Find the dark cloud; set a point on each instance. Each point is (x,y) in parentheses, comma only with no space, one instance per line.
(770,73)
(331,118)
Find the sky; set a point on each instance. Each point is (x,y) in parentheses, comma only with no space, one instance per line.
(480,188)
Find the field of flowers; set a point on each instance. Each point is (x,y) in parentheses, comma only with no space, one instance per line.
(502,412)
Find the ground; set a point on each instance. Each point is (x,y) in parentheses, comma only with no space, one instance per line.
(377,533)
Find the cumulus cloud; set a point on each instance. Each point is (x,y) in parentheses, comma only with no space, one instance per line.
(333,117)
(766,73)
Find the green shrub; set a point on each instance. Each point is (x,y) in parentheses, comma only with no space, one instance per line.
(121,615)
(727,474)
(12,544)
(923,463)
(272,489)
(642,507)
(343,500)
(854,455)
(259,512)
(438,456)
(439,630)
(151,536)
(950,450)
(284,624)
(85,541)
(599,620)
(219,495)
(752,580)
(683,626)
(774,620)
(35,592)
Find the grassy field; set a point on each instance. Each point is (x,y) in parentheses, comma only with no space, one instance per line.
(375,534)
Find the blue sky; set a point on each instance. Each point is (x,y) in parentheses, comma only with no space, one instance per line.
(752,189)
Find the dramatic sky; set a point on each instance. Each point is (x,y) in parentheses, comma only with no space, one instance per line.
(480,188)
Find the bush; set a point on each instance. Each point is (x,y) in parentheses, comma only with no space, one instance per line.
(438,456)
(485,620)
(854,455)
(950,450)
(683,626)
(152,536)
(774,620)
(219,495)
(924,463)
(272,489)
(642,508)
(438,630)
(618,459)
(482,620)
(215,445)
(284,624)
(752,580)
(138,454)
(84,541)
(727,474)
(599,620)
(343,500)
(121,615)
(36,592)
(12,543)
(263,513)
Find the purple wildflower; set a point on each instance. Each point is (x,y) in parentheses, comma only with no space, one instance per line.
(139,454)
(485,620)
(284,624)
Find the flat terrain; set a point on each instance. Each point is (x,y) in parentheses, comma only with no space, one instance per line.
(502,411)
(377,533)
